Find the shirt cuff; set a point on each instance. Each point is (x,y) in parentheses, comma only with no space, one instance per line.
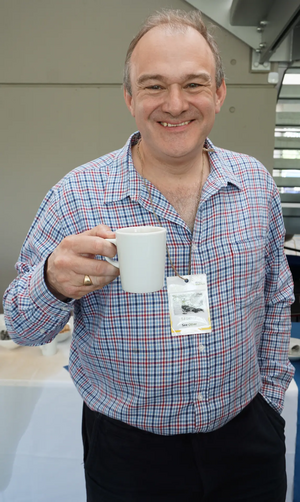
(41,296)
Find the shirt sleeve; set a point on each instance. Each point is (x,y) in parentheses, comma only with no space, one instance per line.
(276,369)
(33,316)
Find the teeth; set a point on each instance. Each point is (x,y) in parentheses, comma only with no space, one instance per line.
(166,124)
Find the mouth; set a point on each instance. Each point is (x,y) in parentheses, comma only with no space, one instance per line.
(168,124)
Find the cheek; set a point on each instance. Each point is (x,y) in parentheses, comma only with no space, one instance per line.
(147,109)
(208,107)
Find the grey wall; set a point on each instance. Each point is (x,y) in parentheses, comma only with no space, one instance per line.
(61,101)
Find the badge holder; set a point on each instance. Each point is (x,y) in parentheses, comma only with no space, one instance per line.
(188,304)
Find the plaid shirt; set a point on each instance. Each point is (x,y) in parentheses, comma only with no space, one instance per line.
(123,359)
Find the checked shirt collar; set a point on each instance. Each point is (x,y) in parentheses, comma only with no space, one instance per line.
(124,181)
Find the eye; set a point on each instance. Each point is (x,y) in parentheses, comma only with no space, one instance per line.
(194,85)
(155,87)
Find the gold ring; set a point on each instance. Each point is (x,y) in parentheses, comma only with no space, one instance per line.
(87,281)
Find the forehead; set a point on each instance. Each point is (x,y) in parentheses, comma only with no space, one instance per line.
(167,50)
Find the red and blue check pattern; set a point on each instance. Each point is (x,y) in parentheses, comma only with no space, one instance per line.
(123,360)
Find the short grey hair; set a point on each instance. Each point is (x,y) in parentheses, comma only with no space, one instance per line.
(175,19)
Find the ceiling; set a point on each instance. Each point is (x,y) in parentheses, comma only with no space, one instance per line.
(270,27)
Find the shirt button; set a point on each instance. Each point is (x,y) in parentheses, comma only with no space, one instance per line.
(200,397)
(201,347)
(194,247)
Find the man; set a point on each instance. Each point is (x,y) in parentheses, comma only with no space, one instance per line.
(168,418)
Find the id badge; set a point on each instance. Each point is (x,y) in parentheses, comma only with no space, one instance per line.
(188,305)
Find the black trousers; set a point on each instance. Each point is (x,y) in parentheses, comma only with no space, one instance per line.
(243,461)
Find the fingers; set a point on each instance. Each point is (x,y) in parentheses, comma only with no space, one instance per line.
(102,231)
(67,284)
(90,243)
(104,275)
(74,258)
(82,265)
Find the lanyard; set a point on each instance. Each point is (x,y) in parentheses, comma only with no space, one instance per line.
(157,218)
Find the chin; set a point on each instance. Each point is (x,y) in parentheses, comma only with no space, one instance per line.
(177,151)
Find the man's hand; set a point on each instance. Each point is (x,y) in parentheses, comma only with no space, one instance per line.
(74,258)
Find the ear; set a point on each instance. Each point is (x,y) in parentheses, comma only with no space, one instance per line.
(220,96)
(129,101)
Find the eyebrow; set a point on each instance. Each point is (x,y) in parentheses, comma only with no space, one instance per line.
(191,76)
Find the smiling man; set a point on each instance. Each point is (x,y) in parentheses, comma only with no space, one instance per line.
(169,415)
(174,96)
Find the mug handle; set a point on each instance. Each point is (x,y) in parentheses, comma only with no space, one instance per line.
(115,263)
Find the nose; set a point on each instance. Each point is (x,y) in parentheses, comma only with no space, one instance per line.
(175,101)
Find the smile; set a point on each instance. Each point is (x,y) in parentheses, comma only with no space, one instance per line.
(167,124)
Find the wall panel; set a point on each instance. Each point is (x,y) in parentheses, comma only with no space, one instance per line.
(61,64)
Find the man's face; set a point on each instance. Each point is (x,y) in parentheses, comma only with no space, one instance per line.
(174,97)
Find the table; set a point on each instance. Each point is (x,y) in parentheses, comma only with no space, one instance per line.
(40,433)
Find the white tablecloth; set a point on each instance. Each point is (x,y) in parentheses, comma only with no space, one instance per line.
(40,433)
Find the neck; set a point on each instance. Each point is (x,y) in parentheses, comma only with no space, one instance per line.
(182,192)
(170,174)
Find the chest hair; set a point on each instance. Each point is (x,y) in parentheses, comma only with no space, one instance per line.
(185,201)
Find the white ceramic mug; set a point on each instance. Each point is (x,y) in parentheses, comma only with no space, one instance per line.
(141,258)
(49,349)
